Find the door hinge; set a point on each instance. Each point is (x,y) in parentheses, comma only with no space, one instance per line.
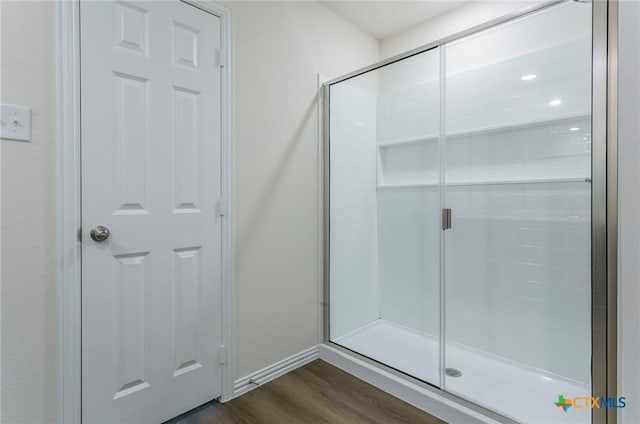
(223,354)
(222,207)
(220,58)
(446,218)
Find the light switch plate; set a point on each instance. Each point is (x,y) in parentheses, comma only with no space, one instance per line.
(15,122)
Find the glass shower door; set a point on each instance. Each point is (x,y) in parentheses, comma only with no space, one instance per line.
(517,180)
(384,261)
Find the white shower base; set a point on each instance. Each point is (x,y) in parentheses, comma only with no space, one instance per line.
(515,390)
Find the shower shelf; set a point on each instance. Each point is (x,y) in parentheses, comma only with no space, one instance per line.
(491,182)
(409,141)
(434,137)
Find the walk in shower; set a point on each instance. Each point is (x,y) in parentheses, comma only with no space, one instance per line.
(459,214)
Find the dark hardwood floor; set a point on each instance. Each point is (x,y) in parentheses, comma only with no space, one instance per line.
(315,393)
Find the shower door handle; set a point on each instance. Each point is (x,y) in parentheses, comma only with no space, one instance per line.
(446,218)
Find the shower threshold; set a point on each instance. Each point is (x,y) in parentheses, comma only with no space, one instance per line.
(485,379)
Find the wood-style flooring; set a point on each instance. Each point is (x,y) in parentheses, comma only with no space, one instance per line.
(315,393)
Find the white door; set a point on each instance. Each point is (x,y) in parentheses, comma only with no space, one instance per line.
(151,141)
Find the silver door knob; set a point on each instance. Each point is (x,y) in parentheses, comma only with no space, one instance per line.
(100,233)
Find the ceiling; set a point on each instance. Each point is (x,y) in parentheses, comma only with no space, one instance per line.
(387,17)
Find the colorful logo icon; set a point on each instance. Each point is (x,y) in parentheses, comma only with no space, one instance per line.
(590,402)
(563,403)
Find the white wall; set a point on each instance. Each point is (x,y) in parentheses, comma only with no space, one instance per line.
(279,49)
(629,213)
(29,310)
(468,15)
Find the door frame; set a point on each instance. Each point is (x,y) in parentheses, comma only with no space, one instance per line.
(69,205)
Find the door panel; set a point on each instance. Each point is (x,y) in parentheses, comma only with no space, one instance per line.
(150,100)
(517,178)
(385,215)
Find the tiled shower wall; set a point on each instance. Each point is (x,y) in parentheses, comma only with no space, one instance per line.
(409,257)
(517,259)
(354,294)
(517,273)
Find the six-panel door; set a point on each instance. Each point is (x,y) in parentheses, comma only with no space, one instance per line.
(150,104)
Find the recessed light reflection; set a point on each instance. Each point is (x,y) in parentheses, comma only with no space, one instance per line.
(555,102)
(574,129)
(528,77)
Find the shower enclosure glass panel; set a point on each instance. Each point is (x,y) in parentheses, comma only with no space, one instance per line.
(385,215)
(492,301)
(518,254)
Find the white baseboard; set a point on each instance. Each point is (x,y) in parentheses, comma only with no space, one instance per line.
(273,371)
(429,401)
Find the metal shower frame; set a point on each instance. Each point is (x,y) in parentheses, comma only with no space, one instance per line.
(604,202)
